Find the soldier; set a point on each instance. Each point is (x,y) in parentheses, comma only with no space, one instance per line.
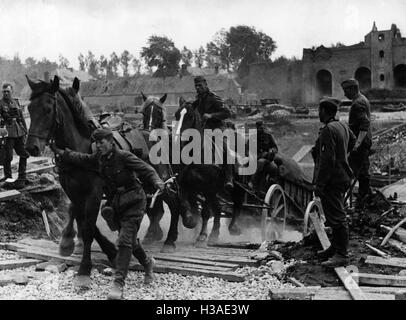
(213,113)
(332,178)
(360,123)
(120,170)
(266,151)
(14,122)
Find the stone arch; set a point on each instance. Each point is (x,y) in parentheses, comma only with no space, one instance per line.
(399,76)
(363,75)
(324,82)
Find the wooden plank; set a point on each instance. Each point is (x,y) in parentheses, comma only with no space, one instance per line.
(377,251)
(398,245)
(391,262)
(399,234)
(18,263)
(41,169)
(381,280)
(325,242)
(9,194)
(196,261)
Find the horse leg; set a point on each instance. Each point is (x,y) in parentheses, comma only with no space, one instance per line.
(215,231)
(233,228)
(154,232)
(91,211)
(79,239)
(201,241)
(67,244)
(169,244)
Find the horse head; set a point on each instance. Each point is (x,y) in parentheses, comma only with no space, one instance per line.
(45,111)
(152,111)
(187,117)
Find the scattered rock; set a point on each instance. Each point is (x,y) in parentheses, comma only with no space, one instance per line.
(20,279)
(107,272)
(47,178)
(56,268)
(402,273)
(275,266)
(5,280)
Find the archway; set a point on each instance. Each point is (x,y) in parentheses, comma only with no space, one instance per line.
(399,76)
(324,83)
(363,75)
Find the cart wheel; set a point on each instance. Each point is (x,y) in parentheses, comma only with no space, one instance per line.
(313,206)
(274,218)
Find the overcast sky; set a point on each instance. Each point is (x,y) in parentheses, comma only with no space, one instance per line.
(47,28)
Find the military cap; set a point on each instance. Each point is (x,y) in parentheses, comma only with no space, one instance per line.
(349,83)
(199,79)
(329,103)
(102,133)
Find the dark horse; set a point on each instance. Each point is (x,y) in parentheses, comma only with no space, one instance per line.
(60,114)
(200,183)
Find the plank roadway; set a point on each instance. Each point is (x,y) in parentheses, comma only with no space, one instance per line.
(182,262)
(18,263)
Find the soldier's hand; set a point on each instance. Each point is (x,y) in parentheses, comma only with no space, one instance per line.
(55,149)
(206,116)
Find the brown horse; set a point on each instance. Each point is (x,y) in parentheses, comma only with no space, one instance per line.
(60,114)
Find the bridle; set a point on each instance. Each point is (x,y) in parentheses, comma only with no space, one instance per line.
(55,123)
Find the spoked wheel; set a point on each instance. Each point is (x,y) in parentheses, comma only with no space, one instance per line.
(274,218)
(314,207)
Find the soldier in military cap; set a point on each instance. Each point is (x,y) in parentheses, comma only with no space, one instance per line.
(360,123)
(332,177)
(13,120)
(121,171)
(213,113)
(266,151)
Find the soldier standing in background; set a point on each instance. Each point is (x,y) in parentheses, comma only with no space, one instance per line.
(332,177)
(13,120)
(359,121)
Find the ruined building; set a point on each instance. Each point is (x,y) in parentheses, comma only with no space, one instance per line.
(378,63)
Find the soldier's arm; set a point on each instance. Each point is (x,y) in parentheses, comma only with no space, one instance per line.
(144,170)
(351,141)
(363,120)
(221,111)
(326,158)
(80,159)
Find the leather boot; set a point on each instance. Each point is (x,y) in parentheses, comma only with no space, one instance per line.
(326,254)
(7,171)
(147,262)
(341,243)
(116,292)
(22,176)
(122,263)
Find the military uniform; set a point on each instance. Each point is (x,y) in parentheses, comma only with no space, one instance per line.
(14,122)
(360,120)
(332,177)
(121,171)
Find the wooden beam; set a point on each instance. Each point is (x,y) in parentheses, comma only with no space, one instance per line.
(302,152)
(398,245)
(321,233)
(391,262)
(9,194)
(400,234)
(377,251)
(381,280)
(390,233)
(18,263)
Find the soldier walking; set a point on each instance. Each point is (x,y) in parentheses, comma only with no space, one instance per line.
(121,171)
(13,120)
(332,178)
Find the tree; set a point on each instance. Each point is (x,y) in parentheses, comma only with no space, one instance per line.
(82,62)
(125,59)
(63,62)
(136,64)
(337,45)
(199,56)
(218,51)
(112,66)
(92,64)
(247,46)
(30,63)
(187,56)
(162,53)
(103,65)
